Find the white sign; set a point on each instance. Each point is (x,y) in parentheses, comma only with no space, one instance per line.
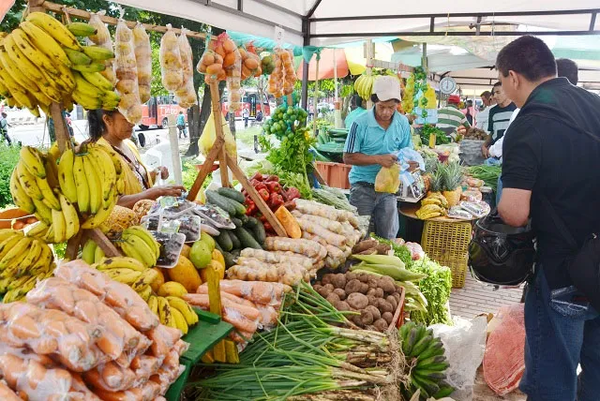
(279,35)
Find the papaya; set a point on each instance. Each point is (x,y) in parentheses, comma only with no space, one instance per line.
(185,274)
(185,251)
(219,267)
(159,280)
(218,256)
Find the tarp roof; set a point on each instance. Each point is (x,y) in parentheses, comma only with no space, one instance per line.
(339,21)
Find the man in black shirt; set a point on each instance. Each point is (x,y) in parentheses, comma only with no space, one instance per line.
(499,117)
(552,166)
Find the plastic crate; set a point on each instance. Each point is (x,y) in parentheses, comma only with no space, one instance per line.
(448,244)
(335,174)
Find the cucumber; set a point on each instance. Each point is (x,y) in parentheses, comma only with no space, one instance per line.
(229,259)
(259,232)
(238,223)
(224,203)
(235,240)
(232,194)
(246,239)
(240,209)
(251,223)
(218,247)
(224,240)
(244,219)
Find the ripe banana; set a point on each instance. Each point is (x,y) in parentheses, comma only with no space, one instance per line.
(146,236)
(87,102)
(147,277)
(145,293)
(94,183)
(50,198)
(81,184)
(122,275)
(135,247)
(55,29)
(32,161)
(45,43)
(17,250)
(42,212)
(120,262)
(81,29)
(153,304)
(28,182)
(87,89)
(172,288)
(186,310)
(70,215)
(37,229)
(8,244)
(88,252)
(19,196)
(179,320)
(164,312)
(60,226)
(16,72)
(34,252)
(104,167)
(98,53)
(98,80)
(97,219)
(65,176)
(6,233)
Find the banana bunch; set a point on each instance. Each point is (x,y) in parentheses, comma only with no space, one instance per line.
(91,253)
(126,270)
(434,205)
(23,261)
(425,354)
(364,86)
(173,312)
(42,62)
(137,242)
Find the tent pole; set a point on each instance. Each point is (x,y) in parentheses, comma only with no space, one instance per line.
(335,76)
(370,56)
(316,97)
(304,90)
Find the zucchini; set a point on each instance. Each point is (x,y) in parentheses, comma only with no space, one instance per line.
(259,232)
(218,200)
(224,240)
(251,223)
(229,259)
(246,239)
(231,193)
(238,223)
(235,240)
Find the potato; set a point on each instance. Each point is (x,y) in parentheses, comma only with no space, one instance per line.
(342,306)
(350,276)
(363,277)
(378,293)
(333,298)
(388,317)
(384,306)
(322,291)
(364,288)
(374,311)
(366,317)
(373,300)
(357,320)
(372,282)
(317,287)
(338,280)
(353,286)
(381,325)
(340,293)
(357,301)
(387,284)
(397,296)
(326,279)
(392,301)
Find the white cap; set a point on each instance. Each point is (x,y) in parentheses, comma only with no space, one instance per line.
(387,88)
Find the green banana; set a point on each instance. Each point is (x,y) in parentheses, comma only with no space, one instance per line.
(81,29)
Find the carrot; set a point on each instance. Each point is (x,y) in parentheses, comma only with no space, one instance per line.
(6,394)
(203,289)
(249,312)
(268,316)
(163,339)
(25,328)
(145,366)
(80,391)
(181,347)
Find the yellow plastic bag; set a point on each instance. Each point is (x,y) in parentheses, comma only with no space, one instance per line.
(209,135)
(388,179)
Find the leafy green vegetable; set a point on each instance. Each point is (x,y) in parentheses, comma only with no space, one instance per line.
(436,288)
(440,136)
(401,251)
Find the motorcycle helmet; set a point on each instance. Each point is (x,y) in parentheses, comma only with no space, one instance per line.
(500,254)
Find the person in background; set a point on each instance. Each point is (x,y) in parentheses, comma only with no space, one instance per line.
(357,110)
(259,116)
(374,139)
(111,129)
(246,116)
(498,118)
(450,116)
(4,128)
(568,69)
(482,117)
(181,124)
(551,168)
(469,112)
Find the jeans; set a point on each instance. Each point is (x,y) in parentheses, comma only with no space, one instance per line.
(382,207)
(499,190)
(492,161)
(562,331)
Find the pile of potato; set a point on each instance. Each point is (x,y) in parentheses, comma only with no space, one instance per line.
(376,298)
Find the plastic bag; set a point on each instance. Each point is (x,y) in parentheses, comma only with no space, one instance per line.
(120,297)
(127,74)
(464,345)
(388,179)
(504,361)
(117,337)
(250,62)
(209,135)
(211,62)
(102,38)
(232,63)
(163,339)
(170,61)
(186,94)
(290,75)
(149,391)
(110,377)
(143,57)
(276,78)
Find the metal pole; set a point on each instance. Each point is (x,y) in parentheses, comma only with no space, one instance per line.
(304,90)
(369,45)
(174,142)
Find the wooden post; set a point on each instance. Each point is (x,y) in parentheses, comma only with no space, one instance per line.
(206,168)
(63,139)
(217,114)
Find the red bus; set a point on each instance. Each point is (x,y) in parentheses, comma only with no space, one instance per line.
(249,101)
(156,110)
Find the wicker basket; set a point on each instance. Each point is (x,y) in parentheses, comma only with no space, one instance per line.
(448,244)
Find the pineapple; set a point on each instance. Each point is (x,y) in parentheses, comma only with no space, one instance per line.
(436,180)
(119,219)
(452,176)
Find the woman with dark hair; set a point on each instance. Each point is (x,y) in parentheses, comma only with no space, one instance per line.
(111,129)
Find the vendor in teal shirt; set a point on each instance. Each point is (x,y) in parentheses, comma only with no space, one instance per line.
(357,110)
(374,139)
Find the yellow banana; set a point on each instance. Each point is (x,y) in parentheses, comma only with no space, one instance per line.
(146,253)
(186,310)
(164,312)
(37,229)
(87,102)
(99,218)
(153,304)
(125,276)
(18,282)
(54,28)
(44,260)
(431,201)
(70,215)
(99,255)
(131,251)
(145,293)
(28,182)
(86,88)
(33,162)
(9,243)
(18,249)
(65,176)
(179,319)
(96,79)
(33,253)
(116,160)
(88,252)
(49,197)
(49,237)
(46,43)
(146,237)
(94,183)
(111,100)
(147,277)
(20,198)
(120,262)
(42,211)
(36,56)
(60,226)
(16,72)
(6,233)
(98,53)
(105,169)
(172,288)
(81,184)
